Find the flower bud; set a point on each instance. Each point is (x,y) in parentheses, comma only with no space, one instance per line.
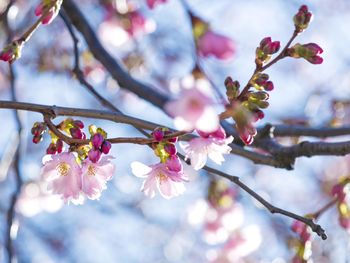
(59,145)
(232,88)
(78,124)
(51,149)
(106,147)
(94,155)
(302,19)
(11,52)
(309,51)
(158,134)
(37,139)
(174,164)
(76,133)
(170,149)
(97,140)
(269,47)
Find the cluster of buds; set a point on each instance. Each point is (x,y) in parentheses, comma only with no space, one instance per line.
(38,130)
(310,52)
(56,146)
(302,19)
(99,145)
(264,51)
(341,192)
(248,109)
(303,244)
(48,10)
(73,127)
(163,148)
(12,51)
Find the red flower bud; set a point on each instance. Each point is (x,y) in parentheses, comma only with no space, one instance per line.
(158,134)
(78,124)
(59,145)
(37,139)
(97,140)
(302,19)
(170,149)
(76,133)
(106,147)
(51,149)
(94,155)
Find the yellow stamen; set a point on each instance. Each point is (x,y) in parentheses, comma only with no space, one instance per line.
(92,170)
(63,169)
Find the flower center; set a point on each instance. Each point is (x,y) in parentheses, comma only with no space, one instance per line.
(162,177)
(63,169)
(92,170)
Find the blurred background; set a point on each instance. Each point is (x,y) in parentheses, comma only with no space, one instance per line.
(213,221)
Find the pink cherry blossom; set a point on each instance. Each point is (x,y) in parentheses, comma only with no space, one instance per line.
(63,175)
(193,110)
(199,149)
(215,44)
(95,176)
(169,182)
(153,3)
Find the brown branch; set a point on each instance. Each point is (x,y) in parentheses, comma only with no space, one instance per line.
(272,209)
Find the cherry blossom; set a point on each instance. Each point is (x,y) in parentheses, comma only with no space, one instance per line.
(63,175)
(214,147)
(96,175)
(193,110)
(167,178)
(215,44)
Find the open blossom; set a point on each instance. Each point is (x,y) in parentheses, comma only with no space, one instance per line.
(63,175)
(95,176)
(193,110)
(167,178)
(214,147)
(215,44)
(153,3)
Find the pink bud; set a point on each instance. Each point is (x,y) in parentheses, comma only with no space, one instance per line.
(174,164)
(59,145)
(76,133)
(37,139)
(6,55)
(268,86)
(49,17)
(170,149)
(39,10)
(97,140)
(338,191)
(78,124)
(51,149)
(106,147)
(94,155)
(158,134)
(219,133)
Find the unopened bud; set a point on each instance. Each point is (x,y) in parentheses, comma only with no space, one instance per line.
(106,147)
(302,19)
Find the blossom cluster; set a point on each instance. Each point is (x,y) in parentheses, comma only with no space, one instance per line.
(80,171)
(72,181)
